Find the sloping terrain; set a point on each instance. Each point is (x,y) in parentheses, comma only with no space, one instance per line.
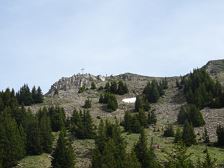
(166,109)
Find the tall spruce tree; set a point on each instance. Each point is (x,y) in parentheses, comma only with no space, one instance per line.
(45,130)
(34,146)
(63,155)
(179,158)
(220,135)
(142,151)
(188,135)
(152,117)
(12,144)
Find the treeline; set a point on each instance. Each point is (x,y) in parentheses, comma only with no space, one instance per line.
(201,90)
(27,97)
(23,133)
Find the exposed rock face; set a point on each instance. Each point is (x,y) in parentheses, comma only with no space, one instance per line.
(216,69)
(74,82)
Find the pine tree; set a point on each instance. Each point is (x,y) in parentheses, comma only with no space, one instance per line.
(24,96)
(209,162)
(34,146)
(39,98)
(81,125)
(169,132)
(57,117)
(220,135)
(188,135)
(63,155)
(45,131)
(93,86)
(34,94)
(112,103)
(191,113)
(178,136)
(141,103)
(142,118)
(142,151)
(179,158)
(88,104)
(131,161)
(12,144)
(206,137)
(152,117)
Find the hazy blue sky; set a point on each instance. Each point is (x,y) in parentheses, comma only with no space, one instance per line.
(43,40)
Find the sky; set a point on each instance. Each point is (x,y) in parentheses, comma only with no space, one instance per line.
(44,40)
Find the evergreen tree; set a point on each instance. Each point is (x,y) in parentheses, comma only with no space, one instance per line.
(39,97)
(209,162)
(152,92)
(178,136)
(141,103)
(142,118)
(112,104)
(88,104)
(122,88)
(45,130)
(191,113)
(142,151)
(179,158)
(93,86)
(169,132)
(63,155)
(34,146)
(81,125)
(188,135)
(12,145)
(24,96)
(206,137)
(131,161)
(220,135)
(57,117)
(152,117)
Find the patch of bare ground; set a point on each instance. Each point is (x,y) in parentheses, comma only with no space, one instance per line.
(213,118)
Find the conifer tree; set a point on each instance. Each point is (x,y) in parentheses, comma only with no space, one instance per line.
(179,158)
(12,144)
(220,135)
(141,103)
(63,155)
(57,117)
(112,103)
(152,117)
(81,124)
(178,136)
(93,86)
(142,151)
(39,98)
(131,160)
(88,104)
(206,137)
(34,146)
(142,118)
(188,135)
(169,132)
(45,130)
(24,96)
(209,162)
